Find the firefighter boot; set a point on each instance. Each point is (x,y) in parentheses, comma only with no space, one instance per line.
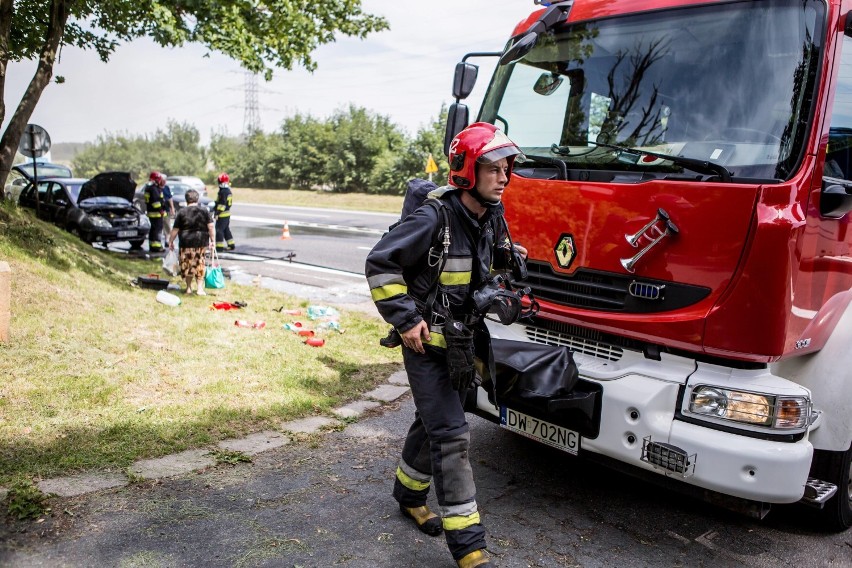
(476,558)
(427,521)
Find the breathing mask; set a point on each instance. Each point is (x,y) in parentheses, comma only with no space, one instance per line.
(497,297)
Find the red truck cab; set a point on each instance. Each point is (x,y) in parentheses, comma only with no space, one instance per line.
(685,196)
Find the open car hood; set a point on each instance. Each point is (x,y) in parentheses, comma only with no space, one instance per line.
(109,184)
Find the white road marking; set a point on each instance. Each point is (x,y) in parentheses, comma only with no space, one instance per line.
(311,268)
(280,223)
(394,216)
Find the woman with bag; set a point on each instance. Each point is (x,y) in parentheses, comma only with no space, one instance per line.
(194,226)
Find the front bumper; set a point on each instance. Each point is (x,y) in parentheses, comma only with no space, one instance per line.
(639,400)
(112,235)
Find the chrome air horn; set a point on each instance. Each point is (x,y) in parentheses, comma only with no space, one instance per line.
(634,238)
(658,235)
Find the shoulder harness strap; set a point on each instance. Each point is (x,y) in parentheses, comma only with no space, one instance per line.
(438,253)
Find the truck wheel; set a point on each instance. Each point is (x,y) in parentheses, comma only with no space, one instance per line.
(835,467)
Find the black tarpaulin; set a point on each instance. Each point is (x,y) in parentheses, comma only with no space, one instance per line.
(532,371)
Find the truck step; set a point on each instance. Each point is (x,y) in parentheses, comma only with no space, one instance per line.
(817,492)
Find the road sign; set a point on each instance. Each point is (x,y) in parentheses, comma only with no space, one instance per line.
(35,141)
(431,166)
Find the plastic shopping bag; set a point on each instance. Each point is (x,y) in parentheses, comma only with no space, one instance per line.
(171,264)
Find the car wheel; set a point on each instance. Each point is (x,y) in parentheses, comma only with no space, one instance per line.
(136,245)
(75,230)
(835,467)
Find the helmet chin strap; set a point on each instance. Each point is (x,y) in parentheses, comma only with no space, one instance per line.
(481,200)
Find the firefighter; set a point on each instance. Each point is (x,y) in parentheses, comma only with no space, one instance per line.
(154,207)
(168,205)
(224,200)
(438,351)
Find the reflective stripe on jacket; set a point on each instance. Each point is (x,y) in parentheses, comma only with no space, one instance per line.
(153,201)
(224,200)
(398,271)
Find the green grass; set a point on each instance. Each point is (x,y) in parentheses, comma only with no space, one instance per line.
(96,374)
(358,201)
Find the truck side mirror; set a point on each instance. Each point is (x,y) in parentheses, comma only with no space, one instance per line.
(519,48)
(834,201)
(847,28)
(547,84)
(464,79)
(457,117)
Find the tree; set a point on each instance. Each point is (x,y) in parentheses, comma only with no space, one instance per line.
(177,150)
(362,139)
(392,174)
(260,35)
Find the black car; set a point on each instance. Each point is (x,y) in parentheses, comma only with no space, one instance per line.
(98,210)
(179,190)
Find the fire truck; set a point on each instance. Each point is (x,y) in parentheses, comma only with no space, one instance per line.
(685,197)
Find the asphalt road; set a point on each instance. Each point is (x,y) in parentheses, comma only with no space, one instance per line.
(321,237)
(326,502)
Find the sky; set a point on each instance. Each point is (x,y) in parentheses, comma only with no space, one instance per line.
(404,73)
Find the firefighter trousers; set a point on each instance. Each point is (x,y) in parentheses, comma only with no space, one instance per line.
(436,450)
(155,235)
(224,238)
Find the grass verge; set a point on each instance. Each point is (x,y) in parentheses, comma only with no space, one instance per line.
(326,199)
(97,374)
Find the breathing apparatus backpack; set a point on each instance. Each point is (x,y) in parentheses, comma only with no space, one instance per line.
(424,192)
(497,297)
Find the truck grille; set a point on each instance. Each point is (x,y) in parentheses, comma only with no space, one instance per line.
(579,339)
(582,345)
(609,291)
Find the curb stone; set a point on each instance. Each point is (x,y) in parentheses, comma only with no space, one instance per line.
(309,425)
(386,393)
(399,378)
(74,485)
(174,464)
(355,409)
(255,443)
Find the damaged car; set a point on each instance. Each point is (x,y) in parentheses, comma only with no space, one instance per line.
(98,210)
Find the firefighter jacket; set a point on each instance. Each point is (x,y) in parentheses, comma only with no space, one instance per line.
(400,276)
(224,200)
(154,204)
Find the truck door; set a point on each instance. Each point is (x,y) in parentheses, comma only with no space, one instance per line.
(826,242)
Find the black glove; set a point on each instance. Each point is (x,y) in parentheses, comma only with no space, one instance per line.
(460,363)
(393,339)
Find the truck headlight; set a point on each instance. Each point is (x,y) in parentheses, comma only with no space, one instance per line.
(757,409)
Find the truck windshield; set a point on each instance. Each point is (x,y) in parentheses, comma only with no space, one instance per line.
(731,84)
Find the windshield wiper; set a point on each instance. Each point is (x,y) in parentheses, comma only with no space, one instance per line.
(702,166)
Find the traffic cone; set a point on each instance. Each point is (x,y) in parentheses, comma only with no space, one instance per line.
(285,232)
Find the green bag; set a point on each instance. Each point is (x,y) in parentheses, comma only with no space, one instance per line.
(213,276)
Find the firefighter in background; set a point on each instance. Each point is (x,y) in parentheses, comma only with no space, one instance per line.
(168,205)
(224,200)
(436,337)
(154,207)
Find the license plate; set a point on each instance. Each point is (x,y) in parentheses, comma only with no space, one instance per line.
(557,436)
(126,234)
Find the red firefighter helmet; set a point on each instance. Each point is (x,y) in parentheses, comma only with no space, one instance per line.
(161,179)
(154,176)
(480,142)
(224,178)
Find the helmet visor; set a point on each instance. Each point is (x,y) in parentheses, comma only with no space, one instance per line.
(499,153)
